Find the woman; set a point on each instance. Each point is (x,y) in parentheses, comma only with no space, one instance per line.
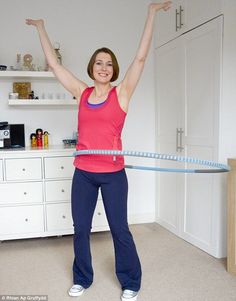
(102,112)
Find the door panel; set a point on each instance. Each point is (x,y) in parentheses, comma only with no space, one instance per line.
(170,190)
(170,95)
(201,11)
(202,57)
(199,202)
(166,24)
(188,94)
(170,90)
(203,60)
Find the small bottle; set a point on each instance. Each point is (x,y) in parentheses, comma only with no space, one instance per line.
(31,95)
(18,62)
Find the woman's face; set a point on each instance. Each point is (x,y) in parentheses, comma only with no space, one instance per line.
(103,68)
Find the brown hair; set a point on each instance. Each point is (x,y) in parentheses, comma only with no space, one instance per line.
(115,64)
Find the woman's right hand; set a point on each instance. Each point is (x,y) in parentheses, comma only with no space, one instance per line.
(34,22)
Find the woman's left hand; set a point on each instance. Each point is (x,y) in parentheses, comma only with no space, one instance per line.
(158,6)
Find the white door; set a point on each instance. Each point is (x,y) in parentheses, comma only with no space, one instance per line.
(188,92)
(170,96)
(202,65)
(197,12)
(183,16)
(167,23)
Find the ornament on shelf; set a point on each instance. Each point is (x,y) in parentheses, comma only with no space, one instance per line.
(45,139)
(18,62)
(27,65)
(39,137)
(22,88)
(33,140)
(31,95)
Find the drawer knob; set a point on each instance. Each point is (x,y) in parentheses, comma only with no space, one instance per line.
(62,190)
(62,167)
(26,220)
(99,213)
(25,193)
(63,216)
(23,169)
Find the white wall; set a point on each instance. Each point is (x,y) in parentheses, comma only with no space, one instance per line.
(81,27)
(227,141)
(228,103)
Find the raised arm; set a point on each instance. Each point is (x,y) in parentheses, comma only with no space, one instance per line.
(66,78)
(128,84)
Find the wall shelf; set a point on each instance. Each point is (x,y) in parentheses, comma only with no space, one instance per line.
(35,102)
(41,102)
(28,74)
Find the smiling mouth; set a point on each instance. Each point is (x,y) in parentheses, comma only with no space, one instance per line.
(103,74)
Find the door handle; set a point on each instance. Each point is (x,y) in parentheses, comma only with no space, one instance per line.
(180,16)
(177,27)
(179,140)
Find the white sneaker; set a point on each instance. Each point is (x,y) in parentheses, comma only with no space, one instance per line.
(129,295)
(76,290)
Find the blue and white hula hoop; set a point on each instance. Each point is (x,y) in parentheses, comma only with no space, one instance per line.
(216,167)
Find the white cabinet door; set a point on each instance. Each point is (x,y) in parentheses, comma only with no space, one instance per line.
(168,24)
(170,91)
(202,64)
(183,16)
(202,49)
(170,111)
(186,202)
(170,191)
(197,12)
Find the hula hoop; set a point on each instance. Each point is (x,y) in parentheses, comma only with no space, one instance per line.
(217,167)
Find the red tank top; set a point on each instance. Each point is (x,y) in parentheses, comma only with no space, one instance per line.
(100,127)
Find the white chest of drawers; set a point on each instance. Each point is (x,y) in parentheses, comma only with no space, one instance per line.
(35,194)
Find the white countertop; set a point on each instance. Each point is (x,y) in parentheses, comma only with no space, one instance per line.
(29,149)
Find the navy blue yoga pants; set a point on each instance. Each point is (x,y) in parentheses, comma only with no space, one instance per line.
(114,189)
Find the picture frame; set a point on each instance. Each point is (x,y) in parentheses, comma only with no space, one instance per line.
(23,89)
